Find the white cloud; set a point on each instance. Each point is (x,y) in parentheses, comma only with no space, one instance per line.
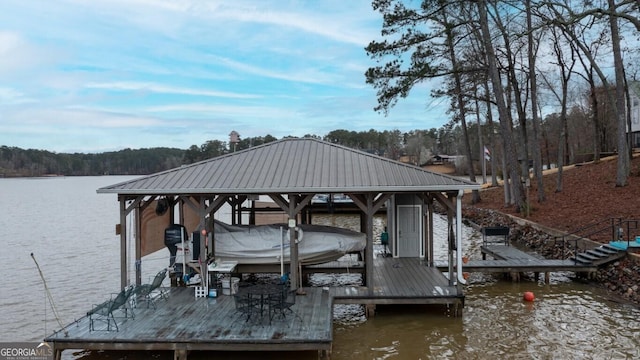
(308,75)
(240,111)
(159,88)
(319,19)
(109,74)
(9,96)
(18,55)
(74,117)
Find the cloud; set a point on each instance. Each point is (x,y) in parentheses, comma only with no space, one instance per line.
(320,18)
(159,88)
(9,96)
(18,55)
(308,75)
(108,74)
(259,113)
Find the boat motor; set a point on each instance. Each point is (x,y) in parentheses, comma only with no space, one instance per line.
(174,235)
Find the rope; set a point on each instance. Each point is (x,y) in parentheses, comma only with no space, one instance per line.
(50,298)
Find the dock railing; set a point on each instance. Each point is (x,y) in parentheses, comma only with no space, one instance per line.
(617,228)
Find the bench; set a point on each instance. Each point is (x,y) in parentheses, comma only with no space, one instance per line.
(495,235)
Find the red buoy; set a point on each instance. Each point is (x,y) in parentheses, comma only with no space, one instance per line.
(528,296)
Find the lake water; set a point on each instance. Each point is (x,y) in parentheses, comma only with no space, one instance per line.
(71,232)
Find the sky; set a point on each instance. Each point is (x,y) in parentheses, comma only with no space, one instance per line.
(104,75)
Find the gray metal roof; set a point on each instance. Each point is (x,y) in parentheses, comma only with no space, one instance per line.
(293,165)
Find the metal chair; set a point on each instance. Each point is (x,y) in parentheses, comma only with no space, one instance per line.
(245,304)
(144,291)
(282,302)
(105,312)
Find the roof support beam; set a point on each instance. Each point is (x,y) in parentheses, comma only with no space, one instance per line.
(294,264)
(361,201)
(369,204)
(286,205)
(461,279)
(293,207)
(123,242)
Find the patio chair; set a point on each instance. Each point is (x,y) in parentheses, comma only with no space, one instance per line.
(105,312)
(246,304)
(283,302)
(144,291)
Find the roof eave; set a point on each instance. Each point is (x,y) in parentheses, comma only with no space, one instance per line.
(314,190)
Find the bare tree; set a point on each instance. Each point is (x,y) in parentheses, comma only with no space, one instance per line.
(505,123)
(564,16)
(623,155)
(565,67)
(532,51)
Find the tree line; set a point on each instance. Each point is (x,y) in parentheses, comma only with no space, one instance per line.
(30,162)
(418,146)
(501,62)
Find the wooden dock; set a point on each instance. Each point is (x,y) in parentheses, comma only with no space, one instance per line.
(402,281)
(184,323)
(508,259)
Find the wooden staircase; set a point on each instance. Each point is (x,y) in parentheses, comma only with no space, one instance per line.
(599,256)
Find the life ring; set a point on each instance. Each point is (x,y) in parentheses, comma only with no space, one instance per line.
(300,235)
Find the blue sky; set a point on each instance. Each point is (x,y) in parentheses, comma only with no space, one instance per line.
(102,75)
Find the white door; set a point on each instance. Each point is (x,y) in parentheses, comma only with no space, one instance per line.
(409,231)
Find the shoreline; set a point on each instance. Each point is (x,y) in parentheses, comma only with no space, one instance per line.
(621,279)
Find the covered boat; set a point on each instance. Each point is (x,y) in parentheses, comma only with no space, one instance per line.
(267,244)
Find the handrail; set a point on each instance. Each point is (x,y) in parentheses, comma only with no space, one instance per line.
(617,226)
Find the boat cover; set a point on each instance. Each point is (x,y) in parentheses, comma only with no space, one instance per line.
(262,244)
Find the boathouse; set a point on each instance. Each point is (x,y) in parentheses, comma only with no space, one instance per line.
(291,172)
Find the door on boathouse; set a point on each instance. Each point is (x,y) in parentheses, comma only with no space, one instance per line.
(409,226)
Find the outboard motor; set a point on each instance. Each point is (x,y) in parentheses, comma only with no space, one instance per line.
(174,235)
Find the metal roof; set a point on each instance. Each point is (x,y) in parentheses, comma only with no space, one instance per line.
(292,165)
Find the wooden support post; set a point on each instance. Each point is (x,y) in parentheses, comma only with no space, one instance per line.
(324,354)
(546,277)
(369,310)
(180,354)
(458,309)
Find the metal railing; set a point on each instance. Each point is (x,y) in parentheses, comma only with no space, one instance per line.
(618,228)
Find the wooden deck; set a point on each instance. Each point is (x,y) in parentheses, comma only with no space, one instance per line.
(183,323)
(401,281)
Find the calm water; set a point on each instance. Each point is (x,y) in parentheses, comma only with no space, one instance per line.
(71,231)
